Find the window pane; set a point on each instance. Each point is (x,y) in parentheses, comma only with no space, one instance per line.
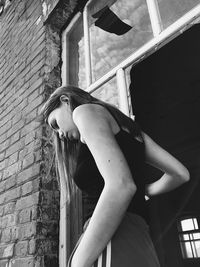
(184,237)
(188,224)
(172,10)
(77,75)
(186,248)
(195,236)
(109,49)
(108,92)
(197,248)
(195,223)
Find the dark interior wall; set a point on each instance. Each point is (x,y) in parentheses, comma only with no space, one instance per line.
(165,91)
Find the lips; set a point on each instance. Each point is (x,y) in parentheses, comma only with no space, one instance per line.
(70,136)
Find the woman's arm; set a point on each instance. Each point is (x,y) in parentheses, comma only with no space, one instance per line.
(175,172)
(119,187)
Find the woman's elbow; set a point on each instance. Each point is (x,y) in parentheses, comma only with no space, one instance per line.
(184,175)
(129,190)
(123,190)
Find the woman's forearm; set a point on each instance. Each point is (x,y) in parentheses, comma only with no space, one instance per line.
(166,183)
(107,216)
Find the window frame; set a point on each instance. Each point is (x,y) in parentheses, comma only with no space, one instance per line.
(160,38)
(188,232)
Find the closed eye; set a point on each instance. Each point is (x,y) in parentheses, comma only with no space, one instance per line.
(54,125)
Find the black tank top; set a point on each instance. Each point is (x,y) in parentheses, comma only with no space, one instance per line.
(88,178)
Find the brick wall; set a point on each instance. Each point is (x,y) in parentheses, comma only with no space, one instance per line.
(29,71)
(29,195)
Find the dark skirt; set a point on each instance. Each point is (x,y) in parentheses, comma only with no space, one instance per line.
(130,246)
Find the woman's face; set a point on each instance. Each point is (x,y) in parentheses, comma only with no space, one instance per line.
(60,120)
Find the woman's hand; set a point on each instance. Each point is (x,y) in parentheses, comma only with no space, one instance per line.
(175,172)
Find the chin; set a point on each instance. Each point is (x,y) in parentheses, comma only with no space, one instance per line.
(73,136)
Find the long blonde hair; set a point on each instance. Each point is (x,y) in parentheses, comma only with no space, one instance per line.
(67,151)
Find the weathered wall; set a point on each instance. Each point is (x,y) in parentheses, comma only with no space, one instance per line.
(29,71)
(28,198)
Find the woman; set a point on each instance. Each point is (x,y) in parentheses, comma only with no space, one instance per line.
(105,152)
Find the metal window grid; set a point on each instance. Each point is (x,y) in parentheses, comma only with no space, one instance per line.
(187,238)
(161,37)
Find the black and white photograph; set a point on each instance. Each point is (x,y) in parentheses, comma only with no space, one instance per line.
(99,133)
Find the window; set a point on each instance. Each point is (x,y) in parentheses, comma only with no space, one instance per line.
(98,60)
(171,10)
(189,237)
(96,57)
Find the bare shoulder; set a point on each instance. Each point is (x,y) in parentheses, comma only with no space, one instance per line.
(89,114)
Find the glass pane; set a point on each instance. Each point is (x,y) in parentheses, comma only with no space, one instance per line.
(108,93)
(195,223)
(187,249)
(196,236)
(188,224)
(171,10)
(77,75)
(197,248)
(184,237)
(110,48)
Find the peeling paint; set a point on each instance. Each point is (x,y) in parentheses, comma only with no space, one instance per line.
(44,9)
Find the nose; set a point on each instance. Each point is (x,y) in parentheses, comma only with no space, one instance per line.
(61,134)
